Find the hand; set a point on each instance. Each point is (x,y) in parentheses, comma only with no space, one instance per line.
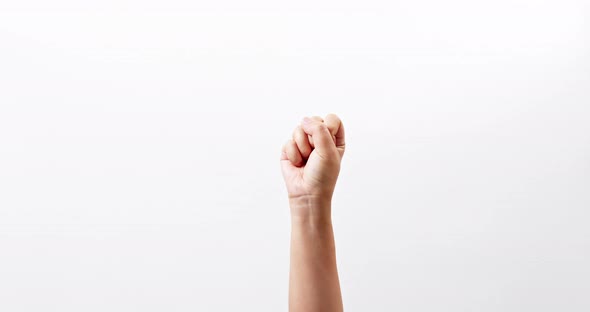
(310,161)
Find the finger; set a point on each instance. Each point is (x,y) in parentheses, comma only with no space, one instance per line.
(309,138)
(302,141)
(336,130)
(322,138)
(293,153)
(333,122)
(287,167)
(284,152)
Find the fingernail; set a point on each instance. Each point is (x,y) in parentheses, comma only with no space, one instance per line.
(306,120)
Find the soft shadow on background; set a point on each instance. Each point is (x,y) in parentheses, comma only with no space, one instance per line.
(140,144)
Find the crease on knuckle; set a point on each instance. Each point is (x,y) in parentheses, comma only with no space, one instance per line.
(320,127)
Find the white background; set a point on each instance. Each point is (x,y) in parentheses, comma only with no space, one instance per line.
(140,145)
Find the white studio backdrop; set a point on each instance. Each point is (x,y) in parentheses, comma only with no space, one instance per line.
(140,145)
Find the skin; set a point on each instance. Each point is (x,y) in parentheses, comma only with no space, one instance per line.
(310,163)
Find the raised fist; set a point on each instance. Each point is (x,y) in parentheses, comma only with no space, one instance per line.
(310,161)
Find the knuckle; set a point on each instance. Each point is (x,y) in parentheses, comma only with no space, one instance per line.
(321,127)
(332,116)
(298,132)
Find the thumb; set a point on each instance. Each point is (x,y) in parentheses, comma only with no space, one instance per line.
(322,138)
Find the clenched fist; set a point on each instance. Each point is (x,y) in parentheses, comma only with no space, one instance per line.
(310,162)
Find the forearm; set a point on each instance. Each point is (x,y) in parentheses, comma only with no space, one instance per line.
(313,279)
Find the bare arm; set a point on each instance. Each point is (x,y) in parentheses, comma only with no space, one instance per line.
(313,280)
(310,164)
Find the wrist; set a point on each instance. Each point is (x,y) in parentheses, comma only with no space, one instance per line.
(311,209)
